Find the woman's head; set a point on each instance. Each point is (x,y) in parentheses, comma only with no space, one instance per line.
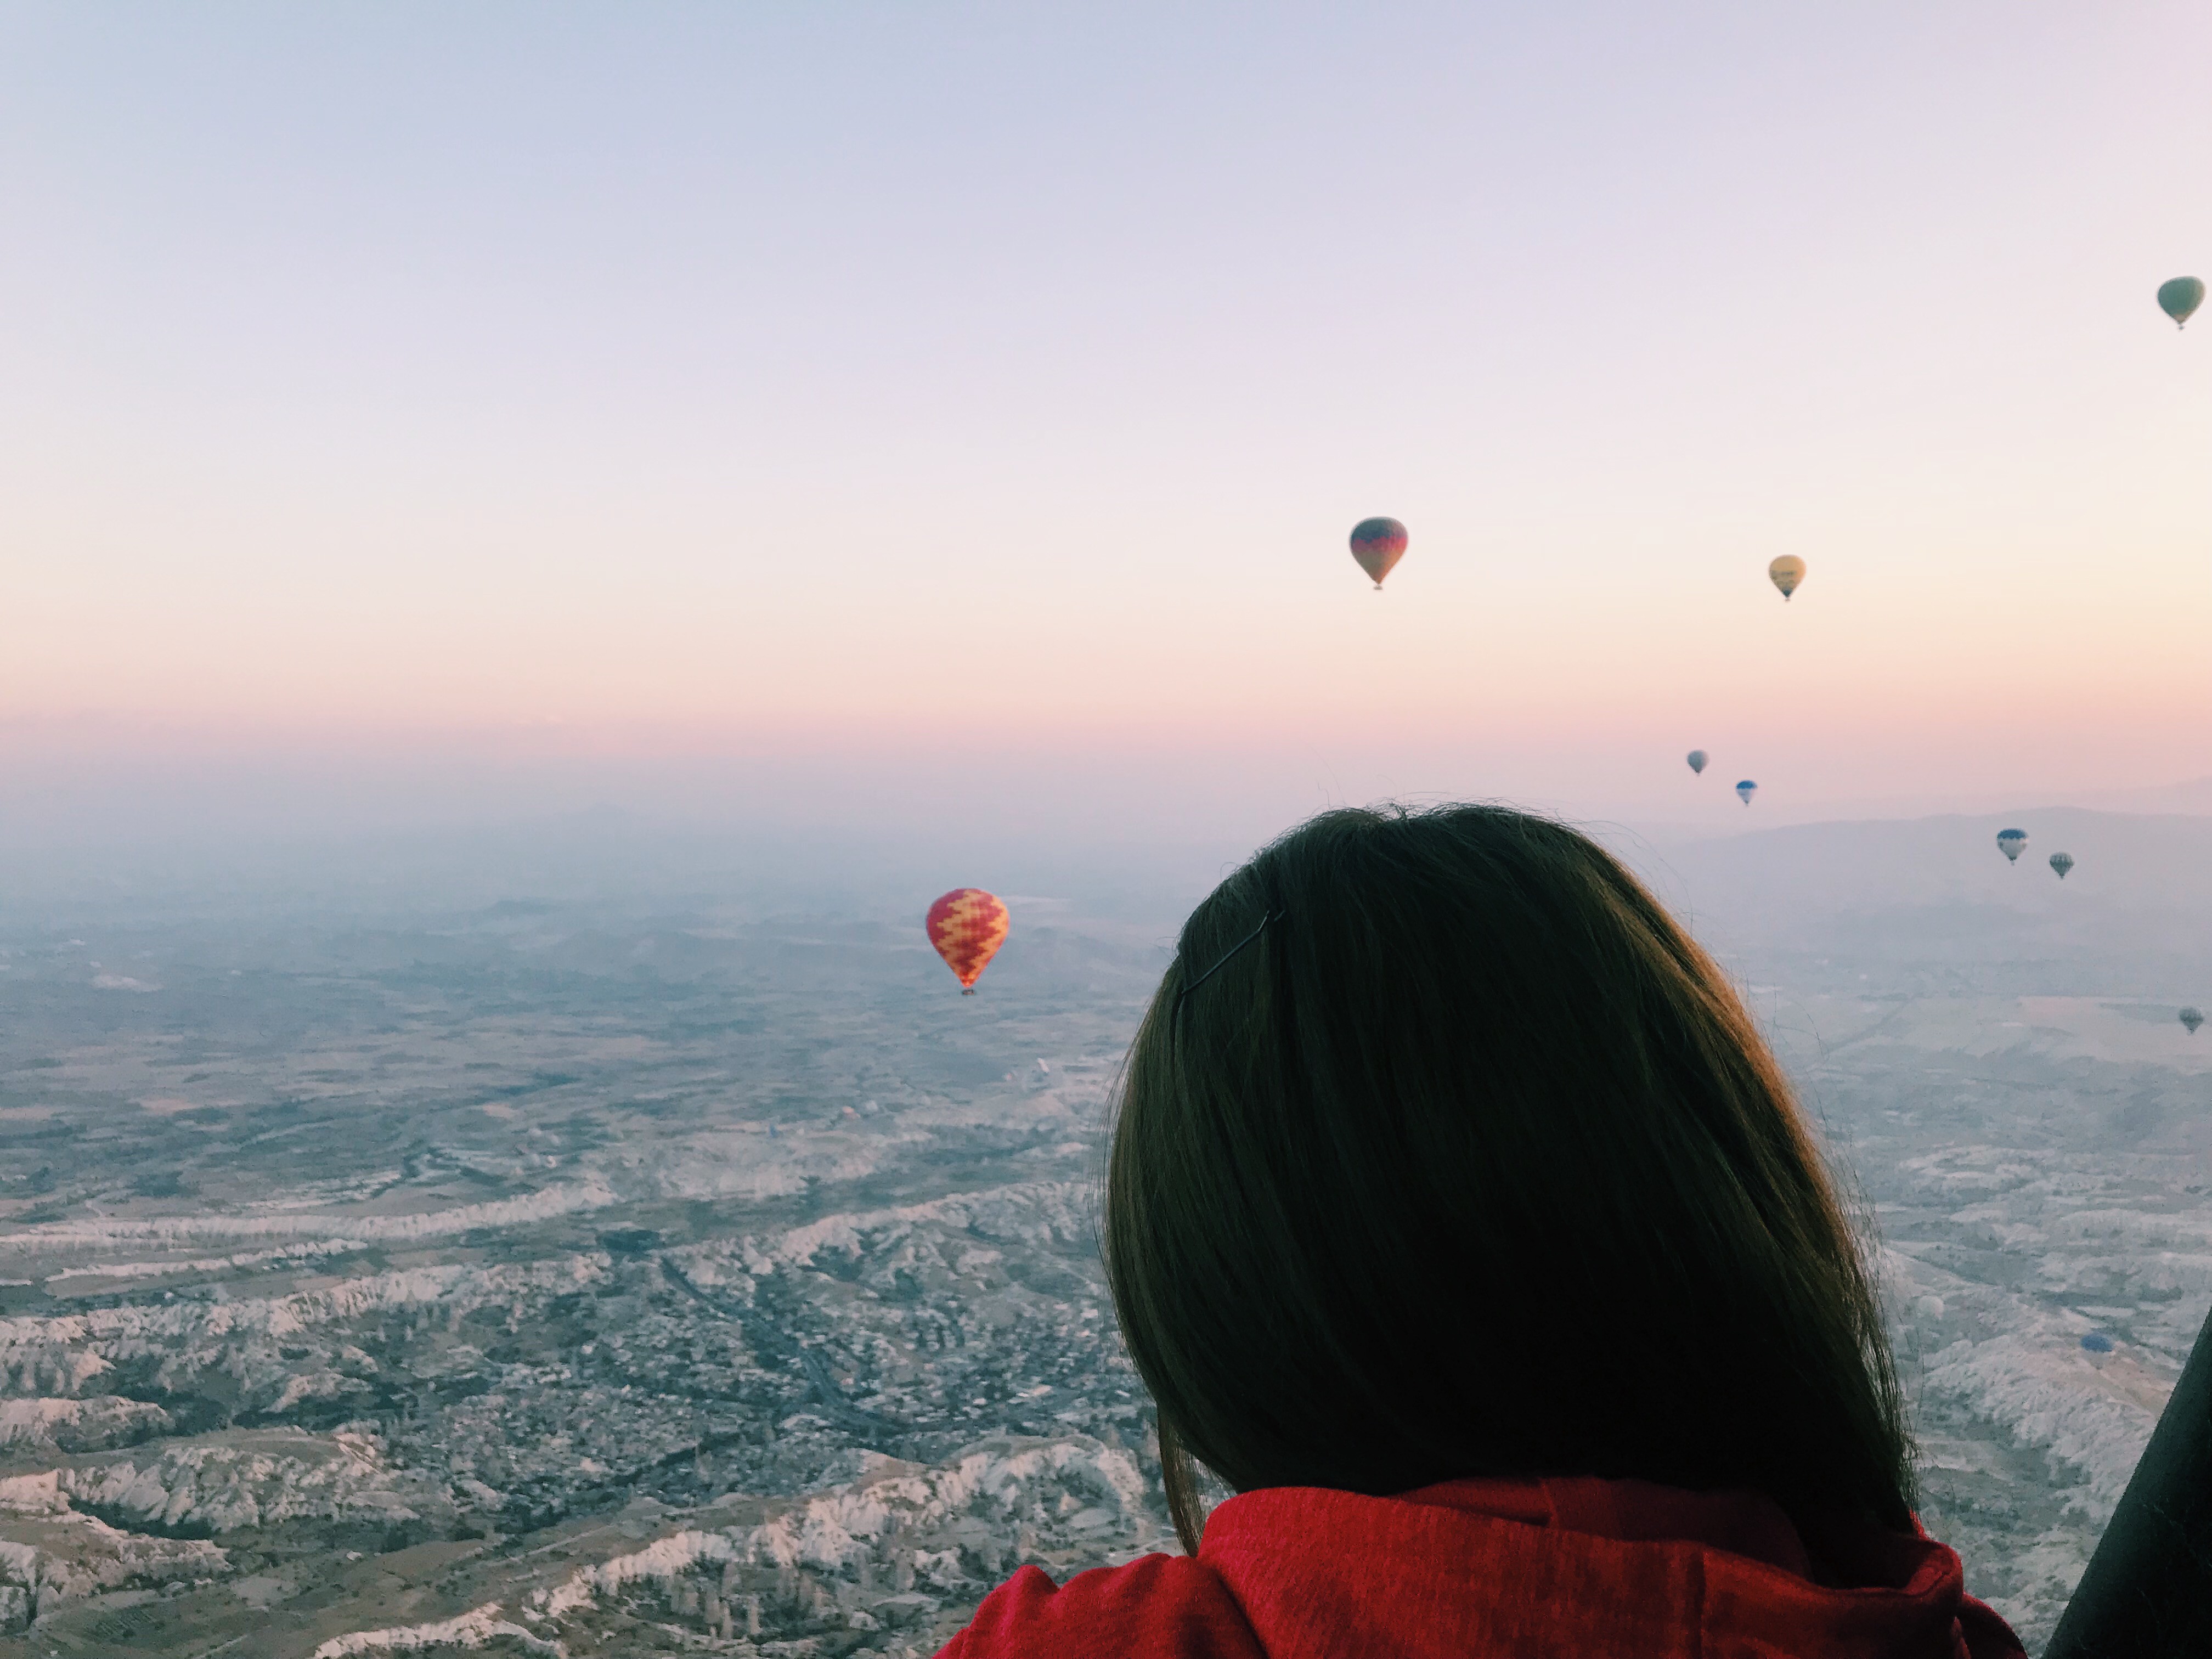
(1469,1162)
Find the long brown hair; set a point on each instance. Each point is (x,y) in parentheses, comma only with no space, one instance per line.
(1442,1151)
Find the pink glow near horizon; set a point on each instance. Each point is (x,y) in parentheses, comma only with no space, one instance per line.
(320,446)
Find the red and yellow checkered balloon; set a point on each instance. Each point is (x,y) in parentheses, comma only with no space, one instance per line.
(967,925)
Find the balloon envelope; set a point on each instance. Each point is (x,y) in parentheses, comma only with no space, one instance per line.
(967,925)
(1746,789)
(1785,573)
(1378,544)
(1697,760)
(2179,298)
(2061,862)
(2011,843)
(2097,1342)
(2192,1018)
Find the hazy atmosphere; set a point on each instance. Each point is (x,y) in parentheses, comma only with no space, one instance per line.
(539,539)
(512,403)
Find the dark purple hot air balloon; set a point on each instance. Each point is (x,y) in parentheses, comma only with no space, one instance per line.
(1378,544)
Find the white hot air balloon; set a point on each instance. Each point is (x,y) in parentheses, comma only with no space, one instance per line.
(2011,843)
(1746,790)
(1697,760)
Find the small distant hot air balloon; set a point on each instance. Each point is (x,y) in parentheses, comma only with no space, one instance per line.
(967,925)
(2011,843)
(1746,790)
(2097,1342)
(2192,1018)
(1378,544)
(1697,760)
(1785,573)
(2061,862)
(2179,298)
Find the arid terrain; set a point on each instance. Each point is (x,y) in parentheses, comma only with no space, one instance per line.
(605,1276)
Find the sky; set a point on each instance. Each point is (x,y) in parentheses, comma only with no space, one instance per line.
(905,414)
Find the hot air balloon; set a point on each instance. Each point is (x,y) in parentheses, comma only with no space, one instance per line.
(2011,843)
(1697,760)
(2061,862)
(1378,544)
(2097,1342)
(1785,573)
(967,925)
(2192,1018)
(2179,298)
(1746,789)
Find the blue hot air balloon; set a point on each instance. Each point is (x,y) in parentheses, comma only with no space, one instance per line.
(2097,1342)
(2179,298)
(2011,843)
(1697,760)
(1746,789)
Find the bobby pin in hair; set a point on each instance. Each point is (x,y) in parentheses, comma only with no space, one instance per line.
(1272,915)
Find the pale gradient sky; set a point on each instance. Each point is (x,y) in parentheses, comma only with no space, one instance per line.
(819,389)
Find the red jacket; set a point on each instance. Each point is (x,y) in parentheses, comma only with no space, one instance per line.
(1530,1568)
